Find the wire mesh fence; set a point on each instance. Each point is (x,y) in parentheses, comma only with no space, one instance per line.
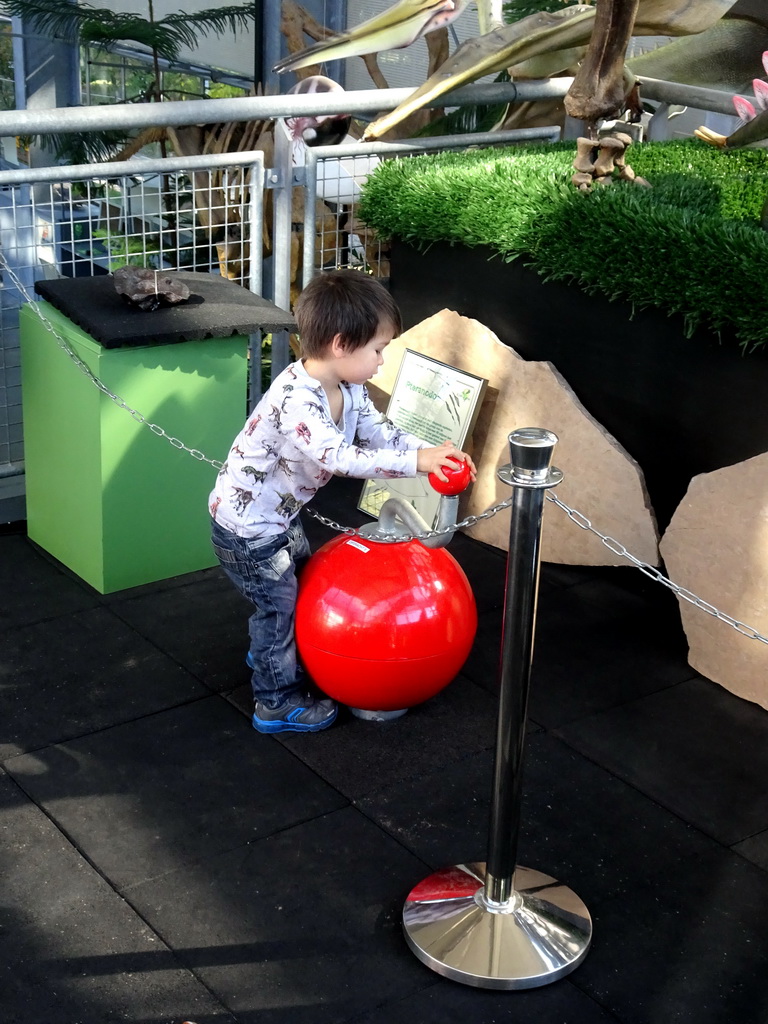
(196,214)
(219,213)
(342,238)
(157,217)
(203,214)
(334,176)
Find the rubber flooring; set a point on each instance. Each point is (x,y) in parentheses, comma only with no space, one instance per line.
(162,862)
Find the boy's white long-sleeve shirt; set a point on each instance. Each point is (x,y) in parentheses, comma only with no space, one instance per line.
(290,446)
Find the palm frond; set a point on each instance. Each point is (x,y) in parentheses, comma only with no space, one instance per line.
(188,27)
(62,20)
(119,27)
(85,147)
(103,27)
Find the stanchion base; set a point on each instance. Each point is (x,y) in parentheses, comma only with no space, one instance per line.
(539,935)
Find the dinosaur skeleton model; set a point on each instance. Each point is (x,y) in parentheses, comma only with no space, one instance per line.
(397,27)
(600,33)
(603,162)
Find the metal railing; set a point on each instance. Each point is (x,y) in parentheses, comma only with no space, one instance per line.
(202,213)
(335,173)
(206,213)
(192,213)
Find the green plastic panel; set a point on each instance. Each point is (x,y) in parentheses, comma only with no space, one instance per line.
(112,500)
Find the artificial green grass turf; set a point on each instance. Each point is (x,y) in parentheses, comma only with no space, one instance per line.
(692,244)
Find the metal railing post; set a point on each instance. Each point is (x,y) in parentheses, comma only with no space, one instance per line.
(255,221)
(281,181)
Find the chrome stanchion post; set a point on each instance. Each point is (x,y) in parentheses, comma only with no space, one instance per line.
(499,925)
(529,474)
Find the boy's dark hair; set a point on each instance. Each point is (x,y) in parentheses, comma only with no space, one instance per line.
(345,302)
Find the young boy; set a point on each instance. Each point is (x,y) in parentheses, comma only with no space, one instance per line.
(315,420)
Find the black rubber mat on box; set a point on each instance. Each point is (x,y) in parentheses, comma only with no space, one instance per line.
(217,308)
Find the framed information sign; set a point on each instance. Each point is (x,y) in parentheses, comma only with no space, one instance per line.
(437,403)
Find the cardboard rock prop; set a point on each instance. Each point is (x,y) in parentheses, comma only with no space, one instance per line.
(716,545)
(601,479)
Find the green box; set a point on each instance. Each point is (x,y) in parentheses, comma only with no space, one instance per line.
(108,497)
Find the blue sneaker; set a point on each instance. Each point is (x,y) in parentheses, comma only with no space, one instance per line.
(298,713)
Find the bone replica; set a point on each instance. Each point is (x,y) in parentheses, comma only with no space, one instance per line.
(149,289)
(598,90)
(598,162)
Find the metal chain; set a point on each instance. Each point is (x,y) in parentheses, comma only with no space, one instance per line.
(584,524)
(655,574)
(398,538)
(84,368)
(196,453)
(330,523)
(576,517)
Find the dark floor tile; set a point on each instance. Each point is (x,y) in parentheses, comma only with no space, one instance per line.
(695,748)
(440,815)
(448,1002)
(242,699)
(578,823)
(234,848)
(565,575)
(158,794)
(78,673)
(689,950)
(300,928)
(358,756)
(160,586)
(755,849)
(115,597)
(71,949)
(574,679)
(627,589)
(482,665)
(33,589)
(13,529)
(204,627)
(485,568)
(587,657)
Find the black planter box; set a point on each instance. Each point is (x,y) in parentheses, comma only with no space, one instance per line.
(680,406)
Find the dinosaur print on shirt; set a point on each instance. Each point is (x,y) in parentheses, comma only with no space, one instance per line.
(290,446)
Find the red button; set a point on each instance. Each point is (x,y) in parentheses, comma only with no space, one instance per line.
(458,474)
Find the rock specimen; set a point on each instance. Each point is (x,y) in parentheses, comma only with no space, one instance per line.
(717,546)
(601,479)
(149,289)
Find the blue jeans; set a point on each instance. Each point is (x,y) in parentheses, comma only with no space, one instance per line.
(264,571)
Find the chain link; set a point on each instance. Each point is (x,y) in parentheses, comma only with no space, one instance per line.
(576,517)
(655,574)
(398,538)
(96,381)
(580,520)
(330,523)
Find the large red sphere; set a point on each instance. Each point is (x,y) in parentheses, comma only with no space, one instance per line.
(381,627)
